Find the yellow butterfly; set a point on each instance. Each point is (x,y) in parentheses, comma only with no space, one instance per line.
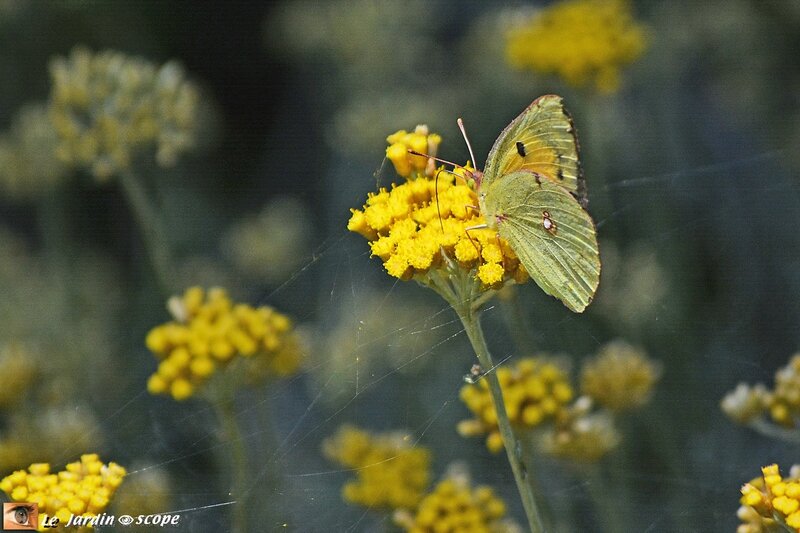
(532,191)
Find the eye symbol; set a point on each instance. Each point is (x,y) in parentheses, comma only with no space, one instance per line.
(21,515)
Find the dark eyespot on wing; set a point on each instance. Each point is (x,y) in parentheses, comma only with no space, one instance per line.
(521,148)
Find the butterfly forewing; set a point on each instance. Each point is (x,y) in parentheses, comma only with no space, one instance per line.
(553,236)
(542,140)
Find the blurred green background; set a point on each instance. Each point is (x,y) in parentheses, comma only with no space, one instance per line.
(692,170)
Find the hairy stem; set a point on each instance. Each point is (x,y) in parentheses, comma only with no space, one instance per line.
(226,413)
(519,459)
(149,220)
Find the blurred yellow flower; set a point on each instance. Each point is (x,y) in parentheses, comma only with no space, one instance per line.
(418,233)
(582,41)
(781,404)
(534,391)
(208,332)
(620,377)
(381,337)
(745,403)
(273,244)
(391,472)
(84,488)
(108,107)
(784,400)
(580,435)
(28,162)
(769,501)
(453,506)
(146,491)
(42,433)
(23,365)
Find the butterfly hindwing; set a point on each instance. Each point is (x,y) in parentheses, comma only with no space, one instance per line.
(542,140)
(553,236)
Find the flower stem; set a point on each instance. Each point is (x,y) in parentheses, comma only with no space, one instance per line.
(774,431)
(520,462)
(151,224)
(606,501)
(226,413)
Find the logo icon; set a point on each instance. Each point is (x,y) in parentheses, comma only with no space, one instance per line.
(125,520)
(20,516)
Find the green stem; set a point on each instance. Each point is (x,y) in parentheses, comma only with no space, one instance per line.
(515,316)
(225,407)
(606,501)
(149,220)
(520,462)
(776,432)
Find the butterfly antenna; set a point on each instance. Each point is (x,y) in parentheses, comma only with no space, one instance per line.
(445,161)
(469,146)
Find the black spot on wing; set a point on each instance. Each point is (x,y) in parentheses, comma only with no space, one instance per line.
(521,148)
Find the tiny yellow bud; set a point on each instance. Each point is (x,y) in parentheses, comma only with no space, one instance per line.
(181,389)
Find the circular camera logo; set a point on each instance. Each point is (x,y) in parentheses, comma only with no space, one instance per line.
(125,520)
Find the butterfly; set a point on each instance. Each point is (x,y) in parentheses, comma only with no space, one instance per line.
(532,191)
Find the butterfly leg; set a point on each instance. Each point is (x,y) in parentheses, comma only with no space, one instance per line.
(467,230)
(500,246)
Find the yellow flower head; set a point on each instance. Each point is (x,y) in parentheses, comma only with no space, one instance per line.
(770,499)
(583,41)
(454,506)
(209,331)
(580,435)
(16,361)
(270,246)
(83,488)
(745,403)
(147,492)
(416,231)
(784,400)
(419,140)
(620,377)
(28,162)
(391,472)
(534,390)
(108,107)
(42,433)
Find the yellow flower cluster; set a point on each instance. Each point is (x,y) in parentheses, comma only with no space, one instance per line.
(581,435)
(784,400)
(148,492)
(36,432)
(108,107)
(28,162)
(16,361)
(620,377)
(770,500)
(208,332)
(782,403)
(391,473)
(413,230)
(534,391)
(420,140)
(582,41)
(83,488)
(456,507)
(270,246)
